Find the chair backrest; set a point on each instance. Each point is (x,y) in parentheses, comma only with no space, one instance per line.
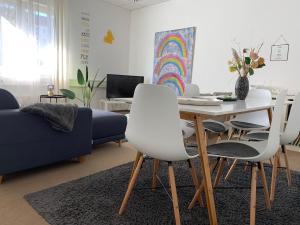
(260,117)
(191,90)
(7,100)
(292,129)
(154,123)
(274,135)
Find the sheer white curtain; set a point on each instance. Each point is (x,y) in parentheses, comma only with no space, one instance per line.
(28,48)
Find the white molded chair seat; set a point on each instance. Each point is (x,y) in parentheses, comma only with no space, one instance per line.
(291,131)
(254,120)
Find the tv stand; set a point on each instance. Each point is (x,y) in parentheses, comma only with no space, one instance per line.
(115,105)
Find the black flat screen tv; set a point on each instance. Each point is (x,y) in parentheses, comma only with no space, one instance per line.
(122,86)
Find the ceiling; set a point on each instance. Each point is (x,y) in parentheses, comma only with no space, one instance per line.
(131,5)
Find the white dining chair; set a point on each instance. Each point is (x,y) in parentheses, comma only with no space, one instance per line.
(289,134)
(255,153)
(154,130)
(213,126)
(254,120)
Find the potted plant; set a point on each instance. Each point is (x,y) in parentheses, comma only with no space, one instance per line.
(245,63)
(88,87)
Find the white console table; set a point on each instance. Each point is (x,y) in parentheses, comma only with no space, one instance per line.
(115,105)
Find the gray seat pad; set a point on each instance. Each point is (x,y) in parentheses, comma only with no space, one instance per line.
(232,149)
(245,124)
(259,136)
(214,127)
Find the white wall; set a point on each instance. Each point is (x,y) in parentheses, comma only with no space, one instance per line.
(218,23)
(103,16)
(108,58)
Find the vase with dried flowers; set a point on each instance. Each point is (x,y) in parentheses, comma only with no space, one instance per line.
(245,63)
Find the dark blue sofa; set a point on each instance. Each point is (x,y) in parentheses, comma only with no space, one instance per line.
(108,126)
(27,141)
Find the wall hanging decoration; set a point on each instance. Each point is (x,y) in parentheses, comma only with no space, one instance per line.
(109,37)
(280,50)
(85,38)
(173,58)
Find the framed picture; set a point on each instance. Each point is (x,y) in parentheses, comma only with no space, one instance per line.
(173,58)
(279,52)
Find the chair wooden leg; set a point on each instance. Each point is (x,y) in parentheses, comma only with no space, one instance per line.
(219,137)
(137,158)
(195,181)
(270,161)
(253,195)
(154,173)
(287,166)
(273,180)
(219,172)
(265,185)
(1,179)
(232,167)
(174,194)
(131,184)
(201,188)
(279,162)
(231,134)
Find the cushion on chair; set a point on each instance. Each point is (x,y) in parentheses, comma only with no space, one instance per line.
(232,149)
(214,126)
(245,124)
(257,136)
(108,124)
(7,100)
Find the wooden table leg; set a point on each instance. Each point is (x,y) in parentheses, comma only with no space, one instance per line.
(1,179)
(209,193)
(154,173)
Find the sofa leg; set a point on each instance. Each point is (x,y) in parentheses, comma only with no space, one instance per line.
(79,159)
(1,179)
(119,143)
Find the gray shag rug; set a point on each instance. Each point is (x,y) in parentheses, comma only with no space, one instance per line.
(95,200)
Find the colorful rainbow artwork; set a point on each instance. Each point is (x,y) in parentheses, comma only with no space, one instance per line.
(177,62)
(173,39)
(173,61)
(173,80)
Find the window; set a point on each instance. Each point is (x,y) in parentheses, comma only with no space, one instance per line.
(27,41)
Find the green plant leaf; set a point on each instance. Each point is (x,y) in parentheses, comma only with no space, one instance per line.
(80,78)
(68,93)
(86,74)
(251,71)
(101,82)
(247,60)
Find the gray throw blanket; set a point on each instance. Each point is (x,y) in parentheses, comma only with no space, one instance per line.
(60,117)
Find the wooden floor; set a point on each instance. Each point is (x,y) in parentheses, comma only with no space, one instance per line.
(14,210)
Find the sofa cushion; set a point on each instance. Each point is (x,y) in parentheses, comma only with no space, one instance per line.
(108,124)
(7,100)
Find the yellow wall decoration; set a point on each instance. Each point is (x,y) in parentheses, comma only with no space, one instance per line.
(109,37)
